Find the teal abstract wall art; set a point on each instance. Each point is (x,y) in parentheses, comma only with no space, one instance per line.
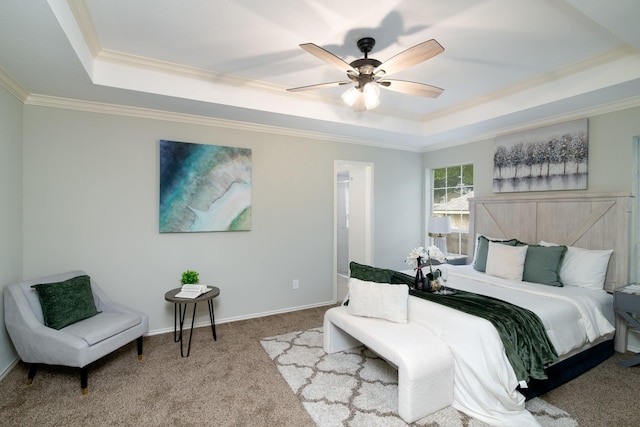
(204,187)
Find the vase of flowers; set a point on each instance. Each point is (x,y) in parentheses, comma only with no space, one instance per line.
(422,282)
(415,260)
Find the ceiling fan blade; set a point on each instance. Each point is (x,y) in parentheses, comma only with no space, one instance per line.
(412,88)
(318,86)
(328,57)
(410,57)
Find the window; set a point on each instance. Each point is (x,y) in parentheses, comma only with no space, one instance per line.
(451,186)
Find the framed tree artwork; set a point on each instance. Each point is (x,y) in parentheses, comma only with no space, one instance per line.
(545,159)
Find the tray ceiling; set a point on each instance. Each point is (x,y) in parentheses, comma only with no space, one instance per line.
(507,65)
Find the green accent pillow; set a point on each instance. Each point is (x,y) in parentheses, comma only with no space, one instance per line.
(398,278)
(542,264)
(370,274)
(482,250)
(64,303)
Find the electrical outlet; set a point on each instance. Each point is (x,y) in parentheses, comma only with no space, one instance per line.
(296,284)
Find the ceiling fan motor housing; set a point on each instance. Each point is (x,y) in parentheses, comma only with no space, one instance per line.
(365,69)
(366,44)
(366,65)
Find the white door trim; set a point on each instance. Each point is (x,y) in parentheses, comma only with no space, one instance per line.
(366,214)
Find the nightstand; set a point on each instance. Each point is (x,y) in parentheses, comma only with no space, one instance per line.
(626,304)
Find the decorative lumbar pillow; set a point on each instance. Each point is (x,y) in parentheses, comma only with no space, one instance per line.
(64,303)
(484,246)
(369,273)
(586,268)
(506,261)
(379,300)
(542,264)
(482,249)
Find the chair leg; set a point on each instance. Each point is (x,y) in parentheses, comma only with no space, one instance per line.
(139,347)
(84,379)
(32,373)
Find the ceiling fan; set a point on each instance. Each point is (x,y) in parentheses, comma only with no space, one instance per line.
(368,73)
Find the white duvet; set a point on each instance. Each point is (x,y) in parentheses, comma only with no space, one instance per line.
(484,382)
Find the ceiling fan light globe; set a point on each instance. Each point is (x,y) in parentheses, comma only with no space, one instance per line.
(359,105)
(370,102)
(350,96)
(371,94)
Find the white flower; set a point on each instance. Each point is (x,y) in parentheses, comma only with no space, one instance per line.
(412,258)
(435,253)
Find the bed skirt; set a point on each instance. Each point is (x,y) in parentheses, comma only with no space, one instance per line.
(569,369)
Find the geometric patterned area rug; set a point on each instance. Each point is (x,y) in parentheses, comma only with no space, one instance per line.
(356,388)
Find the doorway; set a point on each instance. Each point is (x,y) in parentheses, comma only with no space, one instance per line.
(353,220)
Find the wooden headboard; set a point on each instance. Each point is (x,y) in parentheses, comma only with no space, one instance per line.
(586,220)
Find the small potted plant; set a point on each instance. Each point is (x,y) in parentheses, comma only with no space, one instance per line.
(189,277)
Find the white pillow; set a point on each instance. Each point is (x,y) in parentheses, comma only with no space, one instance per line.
(506,261)
(475,249)
(379,300)
(586,268)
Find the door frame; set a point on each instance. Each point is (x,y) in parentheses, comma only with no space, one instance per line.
(338,166)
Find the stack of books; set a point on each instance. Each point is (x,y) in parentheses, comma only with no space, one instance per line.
(193,291)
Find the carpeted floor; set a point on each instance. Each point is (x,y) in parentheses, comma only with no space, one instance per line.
(355,388)
(233,382)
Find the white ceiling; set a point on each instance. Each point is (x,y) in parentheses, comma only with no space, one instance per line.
(508,64)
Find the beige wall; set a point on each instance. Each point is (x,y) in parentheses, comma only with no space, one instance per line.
(80,191)
(91,203)
(611,160)
(611,167)
(610,154)
(10,208)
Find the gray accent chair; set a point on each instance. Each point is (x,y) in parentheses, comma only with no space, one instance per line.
(76,345)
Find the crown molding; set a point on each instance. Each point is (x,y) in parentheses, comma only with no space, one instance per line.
(155,65)
(147,113)
(574,115)
(82,17)
(140,62)
(540,80)
(11,85)
(85,24)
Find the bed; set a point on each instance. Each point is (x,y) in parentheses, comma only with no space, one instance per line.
(586,220)
(578,318)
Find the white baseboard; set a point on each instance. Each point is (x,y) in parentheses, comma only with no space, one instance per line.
(205,323)
(9,368)
(245,317)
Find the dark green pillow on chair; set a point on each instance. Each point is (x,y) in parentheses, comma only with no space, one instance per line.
(64,303)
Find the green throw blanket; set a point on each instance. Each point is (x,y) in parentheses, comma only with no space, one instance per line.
(525,341)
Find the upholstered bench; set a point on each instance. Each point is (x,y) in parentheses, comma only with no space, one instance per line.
(424,362)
